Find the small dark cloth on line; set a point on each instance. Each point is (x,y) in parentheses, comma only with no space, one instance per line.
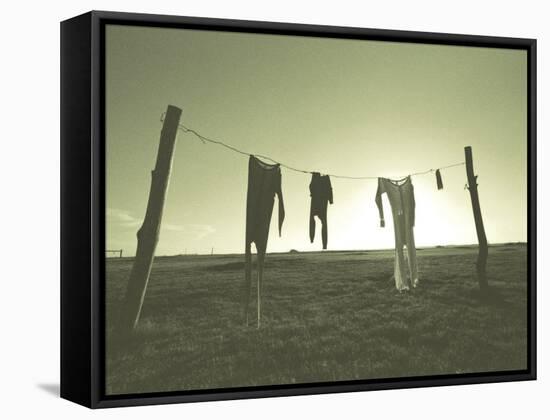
(438,180)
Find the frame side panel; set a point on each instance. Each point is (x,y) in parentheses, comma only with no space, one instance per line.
(532,204)
(76,210)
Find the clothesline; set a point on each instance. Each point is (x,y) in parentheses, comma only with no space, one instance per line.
(205,139)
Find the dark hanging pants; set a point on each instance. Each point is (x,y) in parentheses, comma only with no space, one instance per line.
(321,194)
(264,182)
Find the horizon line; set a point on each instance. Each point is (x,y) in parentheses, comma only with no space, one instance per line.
(295,251)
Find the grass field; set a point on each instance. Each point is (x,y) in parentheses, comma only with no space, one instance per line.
(326,316)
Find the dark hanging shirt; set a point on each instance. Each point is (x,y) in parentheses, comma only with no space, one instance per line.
(320,190)
(264,182)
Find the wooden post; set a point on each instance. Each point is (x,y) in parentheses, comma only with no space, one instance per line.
(148,234)
(480,230)
(120,254)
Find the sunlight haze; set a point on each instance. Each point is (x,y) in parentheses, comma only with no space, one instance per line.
(348,107)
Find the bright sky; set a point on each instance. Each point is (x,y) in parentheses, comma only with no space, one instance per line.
(359,108)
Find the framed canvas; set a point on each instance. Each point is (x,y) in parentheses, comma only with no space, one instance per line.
(346,209)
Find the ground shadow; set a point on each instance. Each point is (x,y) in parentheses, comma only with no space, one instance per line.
(52,389)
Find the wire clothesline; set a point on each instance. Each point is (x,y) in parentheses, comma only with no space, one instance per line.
(205,139)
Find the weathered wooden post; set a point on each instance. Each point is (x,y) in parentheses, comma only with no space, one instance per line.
(148,234)
(480,230)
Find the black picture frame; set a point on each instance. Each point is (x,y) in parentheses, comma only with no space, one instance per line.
(83,207)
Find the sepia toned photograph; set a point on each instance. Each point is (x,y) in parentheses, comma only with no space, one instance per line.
(286,209)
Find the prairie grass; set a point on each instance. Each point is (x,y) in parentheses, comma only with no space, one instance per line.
(326,316)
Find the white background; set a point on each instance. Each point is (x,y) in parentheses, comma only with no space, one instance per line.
(29,302)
